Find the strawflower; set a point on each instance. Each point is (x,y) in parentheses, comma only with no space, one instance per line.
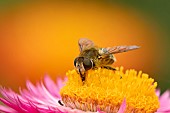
(103,91)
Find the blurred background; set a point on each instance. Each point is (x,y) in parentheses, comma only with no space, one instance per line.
(40,37)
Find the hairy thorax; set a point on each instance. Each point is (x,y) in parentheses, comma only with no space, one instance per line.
(99,60)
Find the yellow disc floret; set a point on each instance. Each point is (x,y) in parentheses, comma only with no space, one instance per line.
(106,89)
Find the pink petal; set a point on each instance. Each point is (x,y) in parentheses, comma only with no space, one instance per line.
(60,83)
(37,98)
(7,109)
(122,107)
(51,86)
(164,102)
(158,92)
(165,96)
(99,111)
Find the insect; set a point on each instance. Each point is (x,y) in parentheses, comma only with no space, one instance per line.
(92,57)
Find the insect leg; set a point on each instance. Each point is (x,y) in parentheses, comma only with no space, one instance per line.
(95,68)
(82,76)
(108,67)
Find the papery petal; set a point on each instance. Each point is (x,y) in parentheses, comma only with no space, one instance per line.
(164,102)
(165,98)
(162,112)
(51,86)
(7,109)
(60,83)
(34,99)
(37,98)
(158,92)
(99,111)
(122,107)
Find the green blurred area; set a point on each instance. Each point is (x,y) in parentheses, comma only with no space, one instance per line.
(158,10)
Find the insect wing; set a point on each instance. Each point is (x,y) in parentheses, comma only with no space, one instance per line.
(85,43)
(104,54)
(120,49)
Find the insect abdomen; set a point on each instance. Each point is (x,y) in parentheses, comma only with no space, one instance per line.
(108,60)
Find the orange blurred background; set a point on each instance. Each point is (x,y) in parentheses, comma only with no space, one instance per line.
(38,38)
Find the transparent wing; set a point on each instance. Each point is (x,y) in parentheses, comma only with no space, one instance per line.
(85,43)
(120,49)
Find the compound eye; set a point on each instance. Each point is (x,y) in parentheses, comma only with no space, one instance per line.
(75,61)
(87,63)
(78,60)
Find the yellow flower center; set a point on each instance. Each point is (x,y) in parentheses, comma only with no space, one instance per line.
(106,89)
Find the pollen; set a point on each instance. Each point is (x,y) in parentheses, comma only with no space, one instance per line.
(106,90)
